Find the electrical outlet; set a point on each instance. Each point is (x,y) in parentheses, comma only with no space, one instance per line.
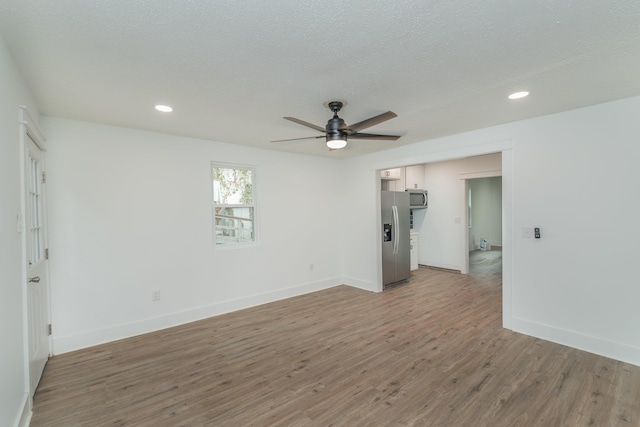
(536,232)
(155,296)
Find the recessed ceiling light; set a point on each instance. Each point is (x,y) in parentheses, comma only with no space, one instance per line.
(518,95)
(164,108)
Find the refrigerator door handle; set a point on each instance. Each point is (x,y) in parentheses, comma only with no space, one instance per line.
(424,199)
(396,225)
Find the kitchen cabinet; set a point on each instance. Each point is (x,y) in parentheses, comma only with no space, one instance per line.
(414,177)
(391,174)
(413,242)
(393,179)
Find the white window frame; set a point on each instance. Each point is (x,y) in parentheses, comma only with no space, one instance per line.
(253,205)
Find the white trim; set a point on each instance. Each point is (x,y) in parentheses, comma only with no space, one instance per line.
(29,129)
(33,129)
(23,419)
(614,350)
(360,284)
(64,344)
(489,147)
(465,236)
(24,125)
(507,238)
(481,174)
(378,286)
(451,267)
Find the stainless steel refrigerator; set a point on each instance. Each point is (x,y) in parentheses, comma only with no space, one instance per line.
(396,253)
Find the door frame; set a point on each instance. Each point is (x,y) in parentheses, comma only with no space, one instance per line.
(504,147)
(29,130)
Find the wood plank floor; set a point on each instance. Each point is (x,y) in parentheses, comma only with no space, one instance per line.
(427,353)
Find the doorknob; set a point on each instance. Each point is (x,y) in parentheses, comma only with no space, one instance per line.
(35,279)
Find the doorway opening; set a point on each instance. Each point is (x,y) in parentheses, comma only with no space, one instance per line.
(484,225)
(443,240)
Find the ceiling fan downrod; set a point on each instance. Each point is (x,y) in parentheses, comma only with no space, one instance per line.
(335,106)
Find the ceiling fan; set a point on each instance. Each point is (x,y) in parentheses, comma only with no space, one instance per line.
(336,132)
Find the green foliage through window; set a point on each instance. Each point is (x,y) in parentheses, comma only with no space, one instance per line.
(232,186)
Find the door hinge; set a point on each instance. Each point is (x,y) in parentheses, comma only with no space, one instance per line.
(44,177)
(49,328)
(46,253)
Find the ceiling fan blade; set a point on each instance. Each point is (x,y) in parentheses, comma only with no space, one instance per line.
(373,136)
(307,124)
(298,139)
(373,121)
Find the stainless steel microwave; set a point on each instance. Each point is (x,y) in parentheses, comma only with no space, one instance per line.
(418,198)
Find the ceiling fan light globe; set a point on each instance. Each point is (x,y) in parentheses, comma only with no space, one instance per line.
(336,144)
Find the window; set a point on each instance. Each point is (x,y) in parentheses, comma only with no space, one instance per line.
(233,204)
(36,178)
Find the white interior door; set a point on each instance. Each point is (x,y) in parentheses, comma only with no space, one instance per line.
(37,264)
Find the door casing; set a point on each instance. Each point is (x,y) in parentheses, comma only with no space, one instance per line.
(32,141)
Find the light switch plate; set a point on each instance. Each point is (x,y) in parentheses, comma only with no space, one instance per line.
(527,232)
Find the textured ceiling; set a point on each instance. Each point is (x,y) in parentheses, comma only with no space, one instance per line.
(232,70)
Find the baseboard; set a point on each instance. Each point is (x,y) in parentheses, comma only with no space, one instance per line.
(454,268)
(622,352)
(65,344)
(23,418)
(360,284)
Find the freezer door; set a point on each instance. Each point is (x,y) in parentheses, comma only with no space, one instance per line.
(388,230)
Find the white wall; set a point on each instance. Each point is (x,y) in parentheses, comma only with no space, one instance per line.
(130,213)
(486,211)
(572,174)
(13,391)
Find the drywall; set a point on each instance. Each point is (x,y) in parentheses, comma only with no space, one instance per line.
(131,213)
(14,405)
(574,175)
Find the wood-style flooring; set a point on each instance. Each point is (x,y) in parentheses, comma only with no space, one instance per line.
(431,352)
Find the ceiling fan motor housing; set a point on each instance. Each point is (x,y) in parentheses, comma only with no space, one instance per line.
(335,126)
